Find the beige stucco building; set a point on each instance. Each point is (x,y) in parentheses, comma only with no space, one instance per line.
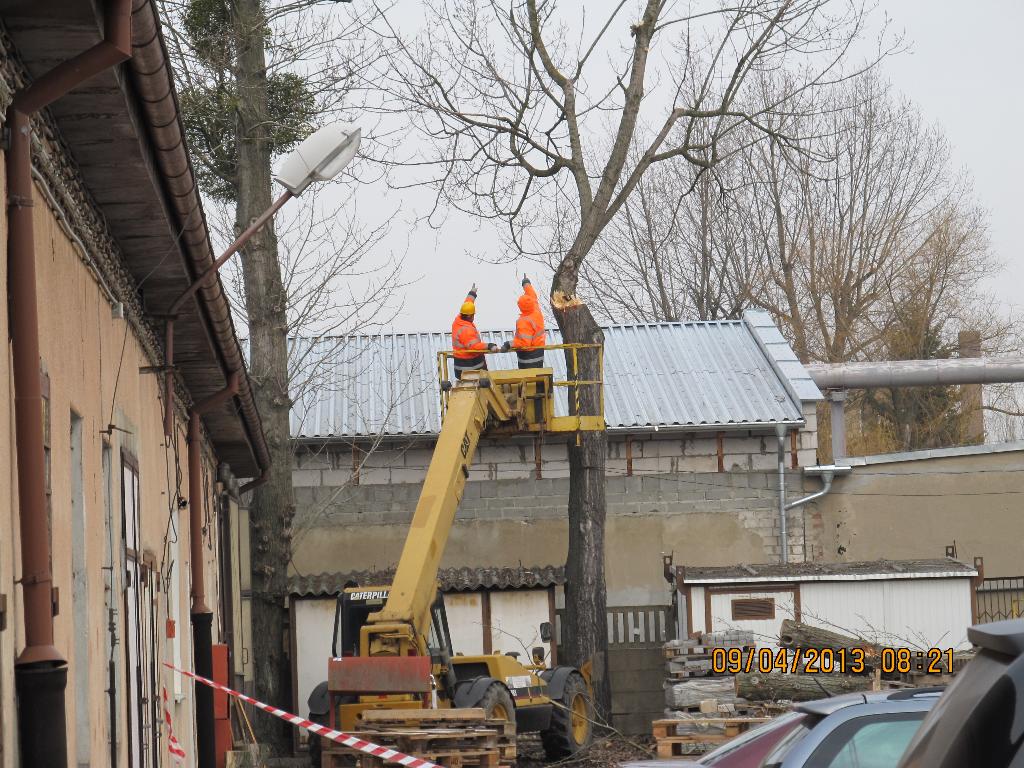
(118,234)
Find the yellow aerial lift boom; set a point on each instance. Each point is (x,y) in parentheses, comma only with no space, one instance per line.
(392,648)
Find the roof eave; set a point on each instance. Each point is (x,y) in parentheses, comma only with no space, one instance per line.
(152,79)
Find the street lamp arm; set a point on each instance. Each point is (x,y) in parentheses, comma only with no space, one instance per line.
(232,249)
(320,157)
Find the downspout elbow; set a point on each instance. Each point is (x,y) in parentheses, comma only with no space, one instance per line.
(252,484)
(826,488)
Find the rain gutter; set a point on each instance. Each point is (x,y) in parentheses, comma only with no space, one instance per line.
(153,81)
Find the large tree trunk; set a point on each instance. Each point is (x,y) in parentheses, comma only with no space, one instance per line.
(782,686)
(584,631)
(795,634)
(272,504)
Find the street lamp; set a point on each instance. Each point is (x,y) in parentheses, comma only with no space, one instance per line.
(321,157)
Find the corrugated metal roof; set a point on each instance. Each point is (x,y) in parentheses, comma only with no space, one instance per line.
(451,579)
(700,375)
(945,567)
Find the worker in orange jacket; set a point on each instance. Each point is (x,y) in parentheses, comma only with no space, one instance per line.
(466,341)
(530,338)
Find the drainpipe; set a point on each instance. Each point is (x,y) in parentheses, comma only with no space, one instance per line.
(202,615)
(40,670)
(261,480)
(781,430)
(827,475)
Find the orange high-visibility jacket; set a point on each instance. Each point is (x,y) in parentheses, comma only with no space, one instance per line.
(530,325)
(466,339)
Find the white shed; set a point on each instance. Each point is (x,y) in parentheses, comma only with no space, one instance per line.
(903,603)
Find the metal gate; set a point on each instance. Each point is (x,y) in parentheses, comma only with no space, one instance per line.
(634,626)
(1000,599)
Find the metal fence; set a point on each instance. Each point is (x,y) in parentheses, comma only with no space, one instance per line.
(1000,599)
(635,626)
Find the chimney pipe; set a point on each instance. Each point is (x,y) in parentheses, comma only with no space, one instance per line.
(40,670)
(971,394)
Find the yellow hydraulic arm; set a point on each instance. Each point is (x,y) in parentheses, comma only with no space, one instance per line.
(414,589)
(502,401)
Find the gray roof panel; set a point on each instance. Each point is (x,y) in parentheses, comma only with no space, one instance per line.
(944,567)
(701,375)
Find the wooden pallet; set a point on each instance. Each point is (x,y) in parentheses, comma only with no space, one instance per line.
(673,744)
(454,738)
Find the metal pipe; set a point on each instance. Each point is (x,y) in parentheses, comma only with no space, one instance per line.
(837,400)
(202,615)
(917,373)
(241,240)
(195,486)
(261,480)
(169,379)
(40,669)
(202,658)
(781,431)
(826,479)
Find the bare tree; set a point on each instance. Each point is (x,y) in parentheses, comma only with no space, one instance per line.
(678,250)
(857,235)
(844,223)
(518,104)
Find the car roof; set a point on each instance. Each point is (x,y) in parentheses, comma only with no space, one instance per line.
(825,707)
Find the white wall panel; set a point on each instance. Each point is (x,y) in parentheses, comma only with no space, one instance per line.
(920,613)
(766,631)
(516,616)
(465,622)
(314,631)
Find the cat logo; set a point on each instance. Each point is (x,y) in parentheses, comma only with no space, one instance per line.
(380,594)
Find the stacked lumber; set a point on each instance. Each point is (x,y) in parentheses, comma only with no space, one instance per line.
(693,657)
(454,738)
(702,707)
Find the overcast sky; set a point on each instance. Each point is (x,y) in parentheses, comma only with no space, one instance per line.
(963,70)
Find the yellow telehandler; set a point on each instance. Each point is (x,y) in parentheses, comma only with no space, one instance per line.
(392,649)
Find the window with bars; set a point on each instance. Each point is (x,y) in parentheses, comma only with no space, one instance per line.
(753,609)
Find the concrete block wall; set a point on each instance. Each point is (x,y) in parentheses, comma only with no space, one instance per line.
(704,518)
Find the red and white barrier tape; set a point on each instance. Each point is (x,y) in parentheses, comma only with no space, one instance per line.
(173,746)
(323,731)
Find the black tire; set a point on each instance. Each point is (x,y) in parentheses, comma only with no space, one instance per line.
(572,720)
(497,703)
